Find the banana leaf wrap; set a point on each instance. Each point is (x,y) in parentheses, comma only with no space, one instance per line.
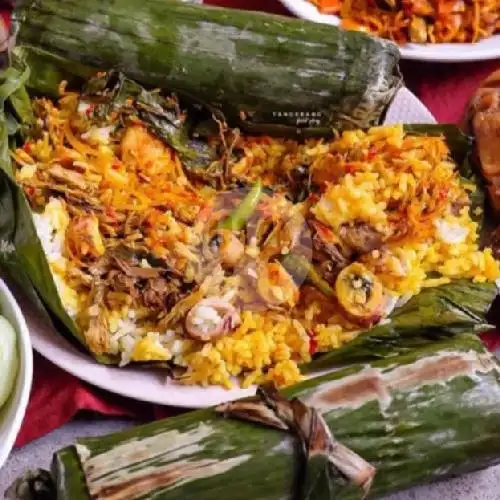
(434,313)
(421,416)
(437,312)
(273,69)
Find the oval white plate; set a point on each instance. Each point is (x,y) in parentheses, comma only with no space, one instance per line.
(152,385)
(440,52)
(12,414)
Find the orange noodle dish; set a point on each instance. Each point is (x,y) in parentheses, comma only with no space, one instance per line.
(418,21)
(279,250)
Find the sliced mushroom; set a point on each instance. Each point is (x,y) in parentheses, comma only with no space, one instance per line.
(360,293)
(211,319)
(160,293)
(328,250)
(68,177)
(136,271)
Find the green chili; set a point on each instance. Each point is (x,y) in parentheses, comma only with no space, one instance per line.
(301,269)
(240,215)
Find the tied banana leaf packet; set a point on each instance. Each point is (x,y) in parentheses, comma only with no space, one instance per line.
(420,416)
(434,313)
(261,70)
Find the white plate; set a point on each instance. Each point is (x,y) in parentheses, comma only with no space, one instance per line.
(440,52)
(150,385)
(12,414)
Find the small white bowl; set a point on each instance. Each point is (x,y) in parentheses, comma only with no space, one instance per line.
(12,414)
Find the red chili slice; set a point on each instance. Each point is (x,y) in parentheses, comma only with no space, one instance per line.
(313,343)
(372,152)
(90,109)
(350,168)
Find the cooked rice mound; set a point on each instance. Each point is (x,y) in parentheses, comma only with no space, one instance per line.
(141,264)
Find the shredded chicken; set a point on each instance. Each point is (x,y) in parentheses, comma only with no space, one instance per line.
(160,294)
(69,177)
(96,335)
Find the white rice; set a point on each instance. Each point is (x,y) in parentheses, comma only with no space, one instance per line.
(206,318)
(126,346)
(99,134)
(51,230)
(453,234)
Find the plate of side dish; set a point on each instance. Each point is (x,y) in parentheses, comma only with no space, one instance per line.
(485,48)
(16,370)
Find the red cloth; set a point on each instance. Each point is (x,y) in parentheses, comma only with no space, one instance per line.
(57,396)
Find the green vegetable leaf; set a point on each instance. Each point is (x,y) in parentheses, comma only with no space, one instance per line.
(237,220)
(49,70)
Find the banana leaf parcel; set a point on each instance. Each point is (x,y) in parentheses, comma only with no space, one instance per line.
(421,416)
(259,69)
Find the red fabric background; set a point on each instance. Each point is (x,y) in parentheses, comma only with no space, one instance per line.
(57,396)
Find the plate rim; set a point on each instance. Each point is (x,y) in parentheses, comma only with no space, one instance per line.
(413,52)
(406,107)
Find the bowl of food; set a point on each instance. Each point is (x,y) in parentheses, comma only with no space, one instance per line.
(16,370)
(432,30)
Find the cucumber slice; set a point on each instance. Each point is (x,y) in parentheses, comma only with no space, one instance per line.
(9,360)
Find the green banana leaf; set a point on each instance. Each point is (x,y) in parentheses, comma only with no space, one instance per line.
(421,416)
(21,254)
(432,314)
(442,311)
(159,114)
